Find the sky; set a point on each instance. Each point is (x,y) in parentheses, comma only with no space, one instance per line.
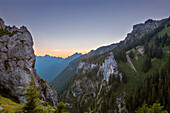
(63,27)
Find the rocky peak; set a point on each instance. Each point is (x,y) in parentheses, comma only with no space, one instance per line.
(14,28)
(17,62)
(2,25)
(140,30)
(23,28)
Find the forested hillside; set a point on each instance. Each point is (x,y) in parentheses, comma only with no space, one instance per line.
(136,71)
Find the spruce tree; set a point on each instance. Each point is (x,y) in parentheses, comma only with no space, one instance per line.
(131,54)
(124,78)
(153,94)
(168,41)
(32,96)
(155,108)
(60,108)
(153,51)
(165,38)
(146,48)
(157,41)
(147,64)
(159,53)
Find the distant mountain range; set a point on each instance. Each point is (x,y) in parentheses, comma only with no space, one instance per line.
(48,67)
(71,69)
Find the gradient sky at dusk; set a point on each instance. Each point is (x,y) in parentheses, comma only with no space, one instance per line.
(63,27)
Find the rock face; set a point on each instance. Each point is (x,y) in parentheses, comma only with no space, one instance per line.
(94,77)
(140,30)
(110,67)
(17,62)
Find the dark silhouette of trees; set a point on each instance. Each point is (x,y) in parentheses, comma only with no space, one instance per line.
(131,54)
(124,78)
(159,53)
(120,55)
(147,64)
(155,88)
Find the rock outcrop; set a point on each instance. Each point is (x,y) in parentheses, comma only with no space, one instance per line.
(17,62)
(94,78)
(140,30)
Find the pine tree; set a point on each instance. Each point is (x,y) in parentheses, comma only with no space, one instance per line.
(155,108)
(153,94)
(60,108)
(121,55)
(131,54)
(165,38)
(118,79)
(111,79)
(146,48)
(168,41)
(153,51)
(32,96)
(159,53)
(147,64)
(157,41)
(124,78)
(143,109)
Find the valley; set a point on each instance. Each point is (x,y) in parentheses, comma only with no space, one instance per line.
(104,82)
(118,78)
(49,67)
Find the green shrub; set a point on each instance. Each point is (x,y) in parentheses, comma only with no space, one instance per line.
(155,108)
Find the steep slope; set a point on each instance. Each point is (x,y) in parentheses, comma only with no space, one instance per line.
(139,30)
(17,62)
(6,104)
(104,82)
(60,82)
(70,71)
(49,67)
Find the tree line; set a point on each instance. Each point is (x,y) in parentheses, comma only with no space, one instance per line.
(156,87)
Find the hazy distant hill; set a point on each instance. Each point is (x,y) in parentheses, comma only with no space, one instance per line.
(49,67)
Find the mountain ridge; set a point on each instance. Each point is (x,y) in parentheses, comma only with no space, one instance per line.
(103,82)
(49,67)
(69,70)
(130,37)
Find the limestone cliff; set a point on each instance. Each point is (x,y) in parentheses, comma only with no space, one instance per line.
(140,30)
(17,62)
(94,78)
